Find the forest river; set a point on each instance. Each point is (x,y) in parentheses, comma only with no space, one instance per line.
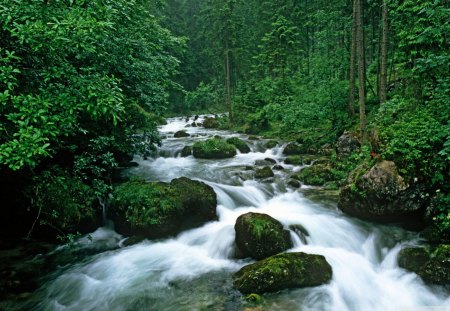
(192,271)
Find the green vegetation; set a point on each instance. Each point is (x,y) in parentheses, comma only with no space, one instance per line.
(239,144)
(214,148)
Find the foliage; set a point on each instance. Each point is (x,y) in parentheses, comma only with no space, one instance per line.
(213,149)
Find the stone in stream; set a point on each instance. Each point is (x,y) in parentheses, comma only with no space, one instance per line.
(157,210)
(293,149)
(300,231)
(264,172)
(266,161)
(294,183)
(277,167)
(213,149)
(382,195)
(294,160)
(270,144)
(239,144)
(186,151)
(282,271)
(181,134)
(315,175)
(433,267)
(259,236)
(210,123)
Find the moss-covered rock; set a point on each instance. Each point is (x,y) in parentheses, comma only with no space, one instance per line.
(294,160)
(270,144)
(282,271)
(181,134)
(157,210)
(278,167)
(433,267)
(264,172)
(186,151)
(316,175)
(213,149)
(382,195)
(210,123)
(239,144)
(293,149)
(294,183)
(259,235)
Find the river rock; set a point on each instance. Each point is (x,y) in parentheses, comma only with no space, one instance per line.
(210,123)
(186,151)
(239,144)
(194,124)
(264,172)
(278,167)
(315,175)
(259,235)
(181,134)
(294,183)
(213,149)
(293,149)
(294,160)
(433,268)
(282,271)
(346,144)
(271,144)
(382,195)
(156,210)
(300,231)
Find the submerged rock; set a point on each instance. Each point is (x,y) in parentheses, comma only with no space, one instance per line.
(264,172)
(381,194)
(187,151)
(181,134)
(259,235)
(433,267)
(289,270)
(239,144)
(213,149)
(155,210)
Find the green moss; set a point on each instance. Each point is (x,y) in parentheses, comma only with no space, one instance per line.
(316,175)
(239,144)
(213,149)
(264,172)
(294,160)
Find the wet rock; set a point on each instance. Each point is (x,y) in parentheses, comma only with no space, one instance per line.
(294,149)
(315,175)
(289,270)
(239,144)
(382,195)
(433,267)
(213,149)
(294,183)
(294,160)
(133,240)
(196,117)
(181,134)
(156,210)
(346,144)
(252,137)
(194,124)
(271,144)
(300,231)
(210,123)
(277,167)
(270,160)
(259,235)
(186,151)
(264,172)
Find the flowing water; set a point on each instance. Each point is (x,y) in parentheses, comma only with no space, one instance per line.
(192,271)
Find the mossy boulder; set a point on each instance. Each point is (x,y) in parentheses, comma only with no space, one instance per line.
(271,144)
(259,235)
(433,267)
(186,151)
(293,149)
(278,167)
(382,195)
(346,144)
(294,160)
(264,172)
(239,144)
(157,209)
(214,148)
(181,134)
(316,175)
(294,183)
(210,123)
(282,271)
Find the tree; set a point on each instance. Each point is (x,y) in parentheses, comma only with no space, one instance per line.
(360,46)
(384,51)
(351,97)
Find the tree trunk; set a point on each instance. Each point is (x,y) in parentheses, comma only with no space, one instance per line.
(228,83)
(351,96)
(384,52)
(361,69)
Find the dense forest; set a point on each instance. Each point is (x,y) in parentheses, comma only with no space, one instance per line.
(84,85)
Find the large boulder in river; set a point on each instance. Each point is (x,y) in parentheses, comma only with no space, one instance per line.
(382,195)
(214,148)
(346,144)
(293,149)
(239,144)
(260,236)
(210,123)
(433,267)
(181,134)
(186,151)
(316,174)
(264,172)
(282,271)
(157,209)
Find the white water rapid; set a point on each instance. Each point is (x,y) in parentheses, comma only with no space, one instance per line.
(192,271)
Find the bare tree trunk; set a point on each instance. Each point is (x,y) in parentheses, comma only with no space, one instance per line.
(361,69)
(351,95)
(384,52)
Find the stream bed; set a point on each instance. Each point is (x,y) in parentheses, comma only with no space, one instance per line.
(192,271)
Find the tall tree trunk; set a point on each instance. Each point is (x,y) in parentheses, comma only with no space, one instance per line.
(228,83)
(361,69)
(384,52)
(351,95)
